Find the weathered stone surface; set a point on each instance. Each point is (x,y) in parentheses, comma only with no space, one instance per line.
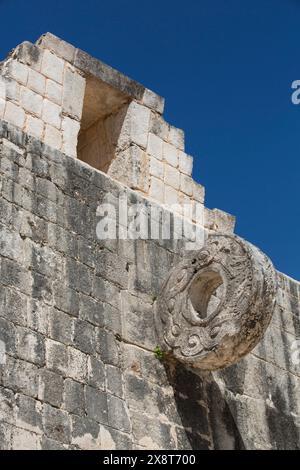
(29,414)
(50,444)
(50,387)
(85,433)
(31,346)
(96,405)
(107,346)
(5,436)
(22,439)
(74,397)
(56,424)
(114,381)
(21,376)
(84,336)
(118,416)
(96,373)
(216,305)
(7,405)
(56,357)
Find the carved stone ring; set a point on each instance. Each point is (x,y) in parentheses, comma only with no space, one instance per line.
(216,305)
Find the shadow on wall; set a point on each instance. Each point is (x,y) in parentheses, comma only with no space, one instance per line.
(284,433)
(269,396)
(206,418)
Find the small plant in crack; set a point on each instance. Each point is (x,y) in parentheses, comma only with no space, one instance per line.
(159,353)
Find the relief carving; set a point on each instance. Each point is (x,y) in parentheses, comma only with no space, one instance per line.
(215,305)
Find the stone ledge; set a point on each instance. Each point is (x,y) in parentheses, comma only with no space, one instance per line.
(91,66)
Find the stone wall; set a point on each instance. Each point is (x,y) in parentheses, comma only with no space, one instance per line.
(78,367)
(76,104)
(76,318)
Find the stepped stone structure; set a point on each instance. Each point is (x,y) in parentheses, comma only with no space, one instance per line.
(131,316)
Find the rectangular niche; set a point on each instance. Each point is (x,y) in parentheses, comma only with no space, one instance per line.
(104,111)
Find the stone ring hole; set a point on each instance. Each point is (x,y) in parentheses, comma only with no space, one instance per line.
(204,293)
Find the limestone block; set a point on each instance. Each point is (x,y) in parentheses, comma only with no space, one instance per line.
(96,373)
(138,321)
(170,154)
(171,196)
(61,326)
(198,213)
(185,163)
(153,101)
(136,125)
(151,434)
(91,66)
(131,167)
(198,192)
(17,71)
(84,336)
(51,444)
(14,114)
(114,380)
(118,416)
(185,200)
(155,146)
(31,346)
(58,46)
(172,176)
(51,114)
(7,406)
(36,82)
(86,433)
(156,168)
(219,220)
(28,54)
(70,130)
(74,397)
(34,126)
(31,101)
(186,184)
(52,67)
(24,440)
(52,137)
(3,88)
(159,126)
(108,347)
(22,376)
(2,108)
(12,91)
(77,365)
(28,413)
(96,405)
(56,357)
(157,189)
(5,436)
(16,306)
(50,387)
(176,137)
(56,424)
(54,92)
(73,93)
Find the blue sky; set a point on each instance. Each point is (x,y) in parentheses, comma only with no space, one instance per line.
(225,68)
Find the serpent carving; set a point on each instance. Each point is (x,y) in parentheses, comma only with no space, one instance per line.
(216,305)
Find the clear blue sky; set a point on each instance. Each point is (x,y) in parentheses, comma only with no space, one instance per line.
(225,68)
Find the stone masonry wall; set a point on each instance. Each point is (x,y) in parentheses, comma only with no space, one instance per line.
(76,319)
(76,104)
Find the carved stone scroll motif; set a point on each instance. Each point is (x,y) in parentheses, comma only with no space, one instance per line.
(215,305)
